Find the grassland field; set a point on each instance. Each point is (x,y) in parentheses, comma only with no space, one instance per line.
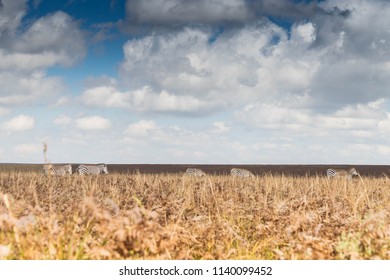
(169,215)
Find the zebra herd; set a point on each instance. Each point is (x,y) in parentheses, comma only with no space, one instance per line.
(235,172)
(101,168)
(63,170)
(244,173)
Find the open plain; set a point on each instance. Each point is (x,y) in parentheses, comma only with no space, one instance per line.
(158,212)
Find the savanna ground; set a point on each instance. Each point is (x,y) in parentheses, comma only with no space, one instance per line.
(173,216)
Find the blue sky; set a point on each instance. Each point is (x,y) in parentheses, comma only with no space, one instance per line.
(179,81)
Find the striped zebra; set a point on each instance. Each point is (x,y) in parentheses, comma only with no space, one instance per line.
(57,170)
(97,169)
(341,173)
(195,172)
(239,172)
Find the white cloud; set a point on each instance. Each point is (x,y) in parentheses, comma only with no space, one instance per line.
(63,100)
(62,120)
(322,60)
(272,116)
(315,93)
(26,88)
(28,49)
(257,62)
(146,100)
(143,99)
(93,123)
(311,87)
(55,38)
(11,14)
(173,13)
(365,26)
(106,96)
(30,62)
(141,128)
(355,118)
(163,62)
(168,12)
(220,127)
(304,33)
(19,123)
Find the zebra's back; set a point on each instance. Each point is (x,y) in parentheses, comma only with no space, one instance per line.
(340,173)
(61,170)
(239,172)
(92,169)
(195,172)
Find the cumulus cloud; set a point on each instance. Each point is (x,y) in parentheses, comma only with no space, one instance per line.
(323,80)
(171,13)
(61,101)
(187,71)
(285,9)
(354,133)
(27,50)
(158,53)
(93,123)
(106,96)
(19,123)
(147,100)
(220,127)
(264,91)
(141,128)
(11,14)
(23,88)
(143,99)
(314,65)
(272,116)
(353,118)
(363,30)
(55,39)
(62,120)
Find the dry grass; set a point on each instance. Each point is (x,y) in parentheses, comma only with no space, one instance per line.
(177,217)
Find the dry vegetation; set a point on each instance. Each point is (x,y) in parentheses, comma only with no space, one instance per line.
(172,216)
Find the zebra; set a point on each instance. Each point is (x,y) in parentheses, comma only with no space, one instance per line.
(61,170)
(195,172)
(336,173)
(238,172)
(97,169)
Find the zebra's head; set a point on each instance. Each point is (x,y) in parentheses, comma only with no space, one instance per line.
(47,169)
(68,169)
(353,172)
(103,168)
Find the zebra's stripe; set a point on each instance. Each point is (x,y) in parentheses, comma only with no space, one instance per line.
(195,172)
(62,170)
(92,169)
(239,172)
(336,173)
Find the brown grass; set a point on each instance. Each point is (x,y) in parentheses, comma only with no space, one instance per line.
(172,216)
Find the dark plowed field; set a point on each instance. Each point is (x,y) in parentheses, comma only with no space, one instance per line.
(218,169)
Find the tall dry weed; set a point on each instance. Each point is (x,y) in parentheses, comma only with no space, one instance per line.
(172,216)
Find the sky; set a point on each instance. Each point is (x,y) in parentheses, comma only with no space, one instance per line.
(195,82)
